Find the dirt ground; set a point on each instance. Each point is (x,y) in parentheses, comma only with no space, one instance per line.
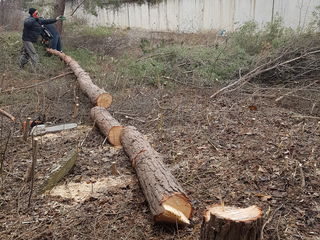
(242,148)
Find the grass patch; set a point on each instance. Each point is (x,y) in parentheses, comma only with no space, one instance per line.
(87,59)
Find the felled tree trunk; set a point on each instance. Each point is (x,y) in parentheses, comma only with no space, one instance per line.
(167,200)
(109,126)
(231,223)
(98,96)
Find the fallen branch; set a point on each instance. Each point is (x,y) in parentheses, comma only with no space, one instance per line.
(39,83)
(33,165)
(79,5)
(8,115)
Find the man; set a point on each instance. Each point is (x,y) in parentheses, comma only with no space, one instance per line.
(31,32)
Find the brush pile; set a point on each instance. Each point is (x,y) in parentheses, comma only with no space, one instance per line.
(296,60)
(296,63)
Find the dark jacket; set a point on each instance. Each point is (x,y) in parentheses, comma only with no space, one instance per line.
(32,28)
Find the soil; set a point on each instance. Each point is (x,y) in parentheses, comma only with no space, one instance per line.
(242,148)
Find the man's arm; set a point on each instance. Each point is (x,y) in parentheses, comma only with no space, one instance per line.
(47,21)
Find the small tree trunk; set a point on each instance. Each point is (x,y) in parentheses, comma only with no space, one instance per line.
(109,126)
(58,10)
(231,223)
(167,200)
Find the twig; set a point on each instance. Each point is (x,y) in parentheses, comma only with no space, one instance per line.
(135,119)
(8,115)
(186,84)
(303,116)
(87,134)
(79,5)
(296,90)
(34,159)
(303,180)
(37,84)
(162,108)
(26,129)
(153,55)
(4,153)
(269,220)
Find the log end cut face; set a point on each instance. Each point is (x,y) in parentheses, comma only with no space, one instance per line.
(104,100)
(234,214)
(114,135)
(177,209)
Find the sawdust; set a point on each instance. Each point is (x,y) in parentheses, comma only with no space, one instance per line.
(81,191)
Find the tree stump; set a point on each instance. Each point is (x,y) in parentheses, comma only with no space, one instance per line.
(231,223)
(97,95)
(167,200)
(109,126)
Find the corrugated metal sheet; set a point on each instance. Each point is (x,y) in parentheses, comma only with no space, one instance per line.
(202,15)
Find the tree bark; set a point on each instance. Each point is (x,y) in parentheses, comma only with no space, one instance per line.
(58,10)
(97,95)
(231,223)
(167,200)
(109,126)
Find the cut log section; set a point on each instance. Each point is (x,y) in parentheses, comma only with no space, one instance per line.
(109,126)
(231,223)
(167,200)
(98,96)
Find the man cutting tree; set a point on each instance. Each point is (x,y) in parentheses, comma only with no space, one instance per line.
(31,31)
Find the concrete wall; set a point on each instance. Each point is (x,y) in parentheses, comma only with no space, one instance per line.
(202,15)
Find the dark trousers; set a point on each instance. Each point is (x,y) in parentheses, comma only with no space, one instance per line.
(55,43)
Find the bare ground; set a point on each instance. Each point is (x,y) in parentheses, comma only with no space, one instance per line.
(242,148)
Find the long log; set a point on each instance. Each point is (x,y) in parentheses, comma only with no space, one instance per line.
(109,126)
(231,223)
(167,200)
(98,96)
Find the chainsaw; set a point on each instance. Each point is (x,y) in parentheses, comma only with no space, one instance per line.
(43,129)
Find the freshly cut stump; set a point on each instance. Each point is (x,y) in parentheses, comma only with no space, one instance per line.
(109,126)
(97,95)
(231,223)
(167,200)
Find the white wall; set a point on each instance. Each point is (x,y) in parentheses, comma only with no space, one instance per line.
(201,15)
